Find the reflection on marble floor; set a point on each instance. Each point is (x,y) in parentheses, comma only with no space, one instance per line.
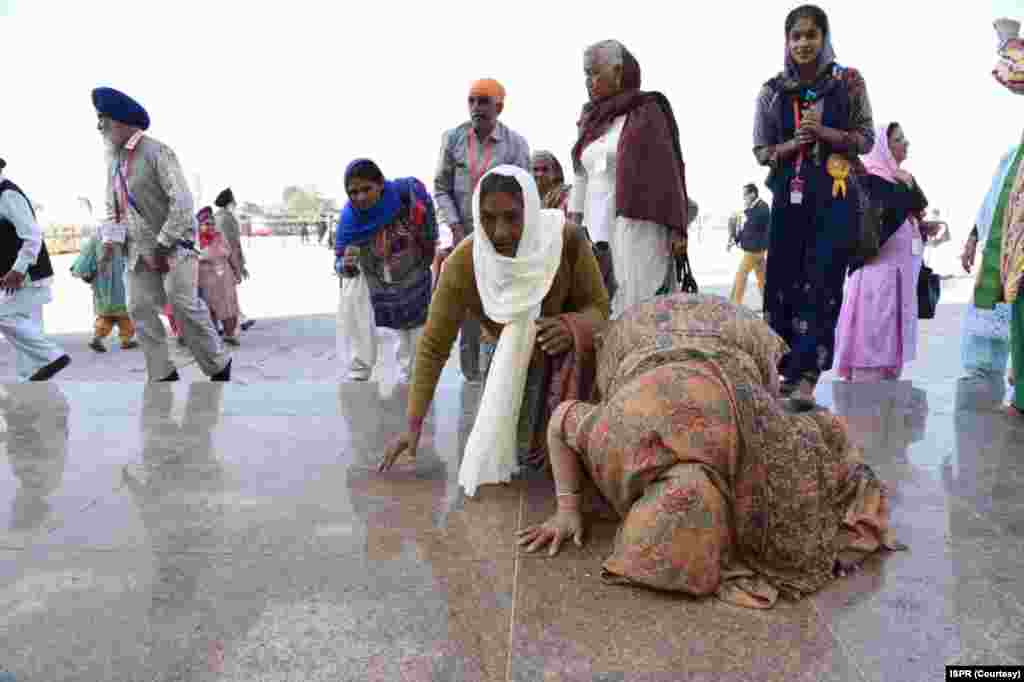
(225,532)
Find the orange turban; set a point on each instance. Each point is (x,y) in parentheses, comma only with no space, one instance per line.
(488,87)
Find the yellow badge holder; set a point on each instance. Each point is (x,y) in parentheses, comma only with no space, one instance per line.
(838,169)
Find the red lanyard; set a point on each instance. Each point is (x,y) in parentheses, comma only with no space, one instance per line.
(475,171)
(800,150)
(122,189)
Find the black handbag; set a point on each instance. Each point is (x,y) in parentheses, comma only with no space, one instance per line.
(687,284)
(929,289)
(869,240)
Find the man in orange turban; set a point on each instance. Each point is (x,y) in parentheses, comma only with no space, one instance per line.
(488,87)
(467,153)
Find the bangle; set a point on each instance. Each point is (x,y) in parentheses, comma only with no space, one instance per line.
(571,504)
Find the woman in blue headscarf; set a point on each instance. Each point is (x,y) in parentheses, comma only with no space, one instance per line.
(388,233)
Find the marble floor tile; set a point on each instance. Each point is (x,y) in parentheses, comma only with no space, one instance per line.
(209,532)
(569,625)
(416,615)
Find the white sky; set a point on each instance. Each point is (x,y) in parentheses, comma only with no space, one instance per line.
(260,95)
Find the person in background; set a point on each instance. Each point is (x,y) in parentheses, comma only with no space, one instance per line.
(877,331)
(25,278)
(547,172)
(388,232)
(467,153)
(813,121)
(734,225)
(227,225)
(937,235)
(753,240)
(147,192)
(219,274)
(985,339)
(1001,275)
(102,266)
(630,187)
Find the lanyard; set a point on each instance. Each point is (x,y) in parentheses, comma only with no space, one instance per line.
(475,171)
(798,116)
(123,168)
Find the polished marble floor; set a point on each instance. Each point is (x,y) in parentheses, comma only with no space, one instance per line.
(240,532)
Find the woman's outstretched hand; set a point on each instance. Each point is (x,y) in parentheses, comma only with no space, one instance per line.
(406,444)
(556,530)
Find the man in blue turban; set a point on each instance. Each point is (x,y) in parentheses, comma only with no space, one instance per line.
(148,194)
(120,107)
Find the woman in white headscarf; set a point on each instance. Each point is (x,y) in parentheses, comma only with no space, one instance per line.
(533,281)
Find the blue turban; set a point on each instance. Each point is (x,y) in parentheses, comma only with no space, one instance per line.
(120,107)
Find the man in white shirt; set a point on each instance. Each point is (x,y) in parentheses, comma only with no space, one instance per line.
(25,286)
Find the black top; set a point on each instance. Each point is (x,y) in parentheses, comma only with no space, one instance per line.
(897,201)
(11,243)
(754,236)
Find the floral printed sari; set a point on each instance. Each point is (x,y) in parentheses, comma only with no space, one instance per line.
(721,490)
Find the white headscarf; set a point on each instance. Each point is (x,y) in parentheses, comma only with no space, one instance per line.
(511,290)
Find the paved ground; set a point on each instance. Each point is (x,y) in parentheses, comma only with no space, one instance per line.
(238,532)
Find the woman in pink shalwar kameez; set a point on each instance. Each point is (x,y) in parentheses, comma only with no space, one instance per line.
(877,330)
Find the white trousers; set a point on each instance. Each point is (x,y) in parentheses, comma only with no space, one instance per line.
(21,323)
(148,293)
(405,353)
(641,261)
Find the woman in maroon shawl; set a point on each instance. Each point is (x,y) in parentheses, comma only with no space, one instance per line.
(630,188)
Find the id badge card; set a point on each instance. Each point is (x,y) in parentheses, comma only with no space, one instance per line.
(796,191)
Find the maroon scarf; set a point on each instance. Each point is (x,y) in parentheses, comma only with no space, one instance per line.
(650,178)
(571,376)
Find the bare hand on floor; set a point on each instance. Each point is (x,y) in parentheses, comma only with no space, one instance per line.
(556,530)
(406,444)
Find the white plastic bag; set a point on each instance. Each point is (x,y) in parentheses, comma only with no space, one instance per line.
(356,334)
